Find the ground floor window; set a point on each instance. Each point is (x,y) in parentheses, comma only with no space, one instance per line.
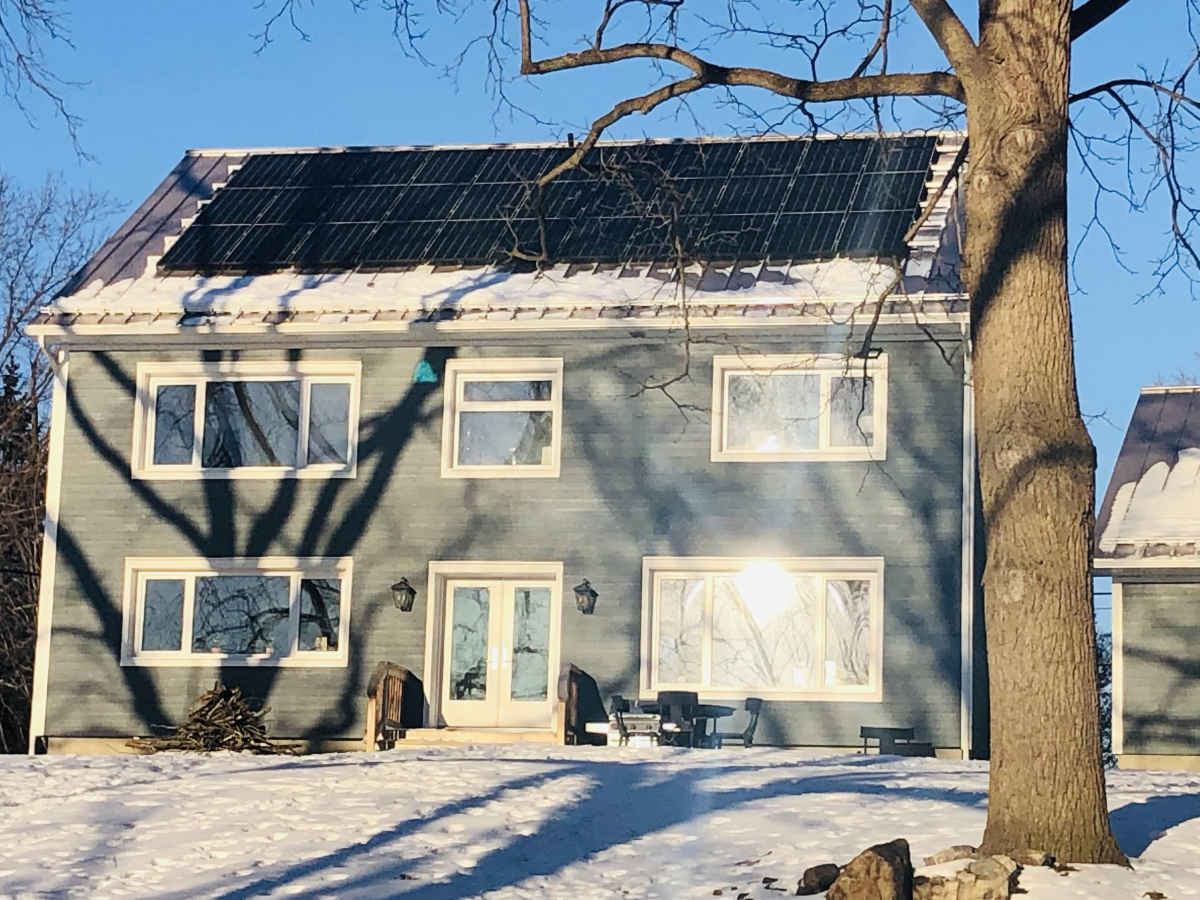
(784,628)
(269,611)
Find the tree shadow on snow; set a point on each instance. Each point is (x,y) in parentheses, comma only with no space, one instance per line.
(625,802)
(1138,825)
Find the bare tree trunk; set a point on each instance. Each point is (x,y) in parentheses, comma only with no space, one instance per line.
(1036,460)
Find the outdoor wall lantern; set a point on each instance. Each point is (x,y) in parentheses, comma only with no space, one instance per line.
(403,595)
(585,598)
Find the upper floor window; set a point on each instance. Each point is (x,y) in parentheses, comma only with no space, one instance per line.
(502,418)
(787,628)
(799,407)
(246,420)
(268,611)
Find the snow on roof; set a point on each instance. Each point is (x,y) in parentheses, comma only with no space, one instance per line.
(1151,509)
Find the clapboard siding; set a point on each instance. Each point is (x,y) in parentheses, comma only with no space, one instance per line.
(636,481)
(1162,667)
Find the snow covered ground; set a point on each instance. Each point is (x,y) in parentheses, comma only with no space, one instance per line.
(525,823)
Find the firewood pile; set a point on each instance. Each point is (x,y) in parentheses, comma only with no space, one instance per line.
(222,720)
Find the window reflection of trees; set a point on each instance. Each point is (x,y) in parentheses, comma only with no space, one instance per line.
(241,615)
(680,630)
(754,645)
(320,607)
(469,643)
(763,637)
(531,644)
(848,631)
(251,423)
(174,424)
(504,438)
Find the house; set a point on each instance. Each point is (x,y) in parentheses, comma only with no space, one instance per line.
(717,382)
(1148,540)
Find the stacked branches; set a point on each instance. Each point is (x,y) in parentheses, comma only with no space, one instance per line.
(222,720)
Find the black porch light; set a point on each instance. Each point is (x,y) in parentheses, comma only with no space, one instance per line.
(403,595)
(585,598)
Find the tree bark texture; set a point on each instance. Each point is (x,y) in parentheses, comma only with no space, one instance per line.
(1036,460)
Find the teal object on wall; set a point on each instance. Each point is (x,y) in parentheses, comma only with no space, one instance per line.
(424,374)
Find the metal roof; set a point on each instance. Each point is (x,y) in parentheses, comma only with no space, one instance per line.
(1151,510)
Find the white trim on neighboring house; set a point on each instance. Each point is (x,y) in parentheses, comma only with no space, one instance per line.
(139,570)
(827,367)
(460,372)
(152,376)
(60,362)
(967,638)
(1102,566)
(870,569)
(1118,668)
(442,571)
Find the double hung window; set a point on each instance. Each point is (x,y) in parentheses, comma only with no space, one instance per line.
(246,420)
(790,629)
(800,407)
(196,612)
(502,418)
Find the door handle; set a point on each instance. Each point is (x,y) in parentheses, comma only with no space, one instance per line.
(505,656)
(495,657)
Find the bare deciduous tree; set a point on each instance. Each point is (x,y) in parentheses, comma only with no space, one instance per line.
(1009,79)
(27,27)
(45,236)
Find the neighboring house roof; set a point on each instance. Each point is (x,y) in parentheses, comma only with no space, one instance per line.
(1151,510)
(282,239)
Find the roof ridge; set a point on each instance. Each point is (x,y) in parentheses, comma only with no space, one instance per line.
(943,135)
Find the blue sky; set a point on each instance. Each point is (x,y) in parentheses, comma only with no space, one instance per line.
(160,77)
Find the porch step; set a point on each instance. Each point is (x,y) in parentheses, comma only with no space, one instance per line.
(415,737)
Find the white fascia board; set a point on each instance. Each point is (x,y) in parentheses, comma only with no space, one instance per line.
(292,330)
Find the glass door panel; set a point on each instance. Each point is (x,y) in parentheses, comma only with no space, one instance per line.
(526,656)
(471,654)
(530,644)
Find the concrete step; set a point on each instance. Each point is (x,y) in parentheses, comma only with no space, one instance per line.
(415,737)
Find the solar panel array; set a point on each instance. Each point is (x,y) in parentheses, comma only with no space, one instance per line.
(778,200)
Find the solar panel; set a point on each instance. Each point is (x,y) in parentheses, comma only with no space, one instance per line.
(791,199)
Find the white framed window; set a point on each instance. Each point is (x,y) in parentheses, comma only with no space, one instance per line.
(785,629)
(271,611)
(786,408)
(246,420)
(502,418)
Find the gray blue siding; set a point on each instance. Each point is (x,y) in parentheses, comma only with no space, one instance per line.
(636,481)
(1161,654)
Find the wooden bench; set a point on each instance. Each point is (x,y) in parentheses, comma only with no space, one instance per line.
(894,741)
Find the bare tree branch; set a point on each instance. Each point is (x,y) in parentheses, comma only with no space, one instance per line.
(1086,17)
(950,33)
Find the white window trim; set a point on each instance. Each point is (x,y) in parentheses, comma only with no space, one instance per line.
(459,371)
(139,569)
(864,568)
(828,366)
(150,376)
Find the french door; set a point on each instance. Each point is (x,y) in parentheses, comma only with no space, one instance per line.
(500,653)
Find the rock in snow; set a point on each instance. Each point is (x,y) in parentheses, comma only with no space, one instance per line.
(818,879)
(882,872)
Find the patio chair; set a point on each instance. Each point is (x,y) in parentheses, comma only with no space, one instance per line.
(754,707)
(677,726)
(619,706)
